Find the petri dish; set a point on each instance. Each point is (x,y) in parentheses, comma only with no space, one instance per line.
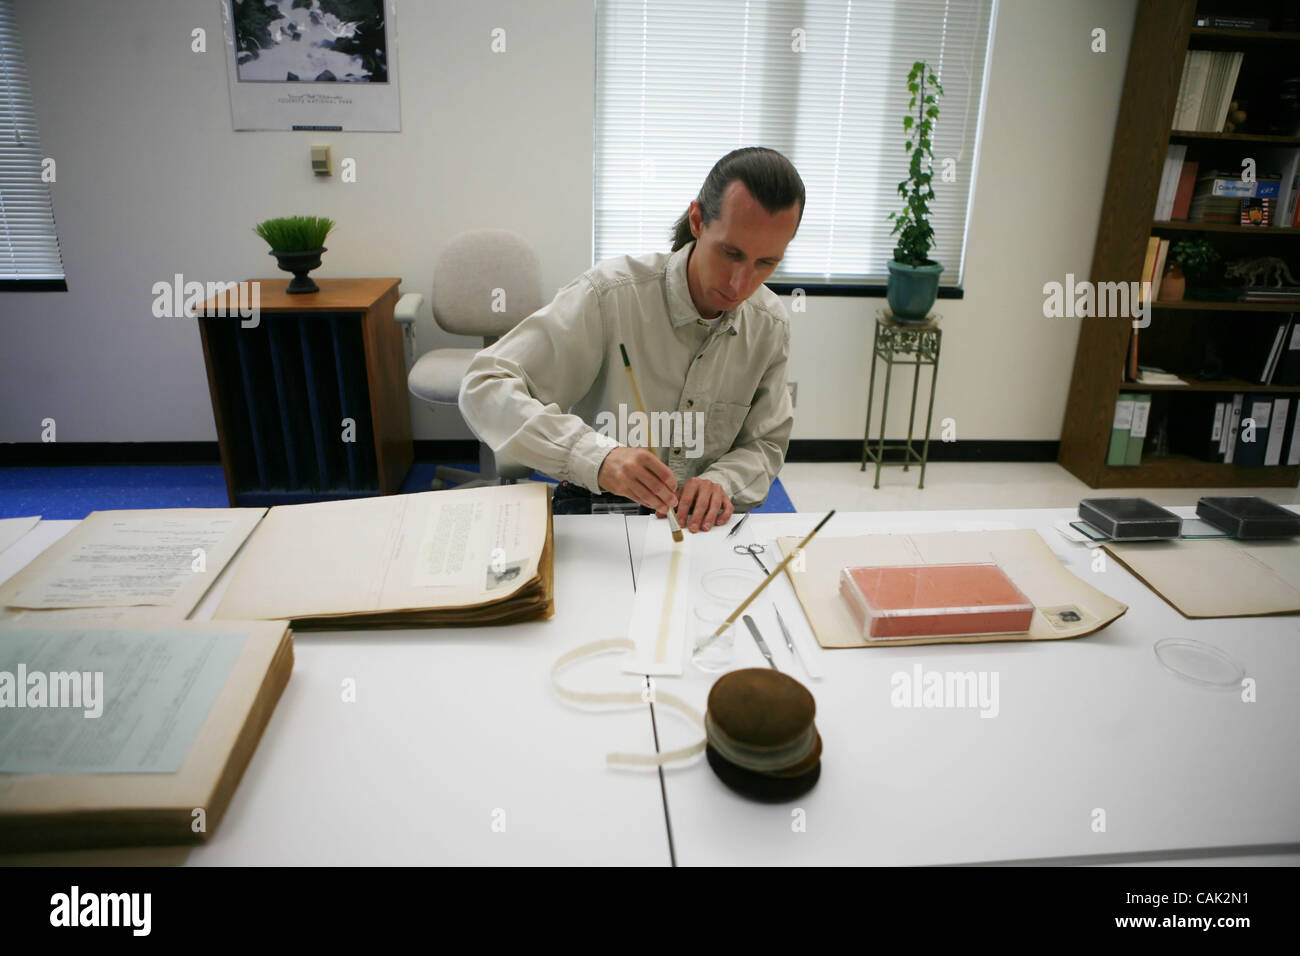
(731,585)
(1200,663)
(710,653)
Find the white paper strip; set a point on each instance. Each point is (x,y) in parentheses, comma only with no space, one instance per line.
(660,611)
(644,696)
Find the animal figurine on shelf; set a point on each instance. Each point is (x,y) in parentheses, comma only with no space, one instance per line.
(1259,271)
(1236,119)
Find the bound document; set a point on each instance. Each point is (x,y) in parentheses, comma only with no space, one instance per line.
(125,736)
(477,556)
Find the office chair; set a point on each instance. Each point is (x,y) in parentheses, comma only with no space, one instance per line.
(476,272)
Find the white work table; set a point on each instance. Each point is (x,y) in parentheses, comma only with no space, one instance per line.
(449,727)
(455,730)
(1182,771)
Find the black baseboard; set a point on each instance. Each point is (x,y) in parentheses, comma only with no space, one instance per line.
(850,449)
(438,450)
(110,453)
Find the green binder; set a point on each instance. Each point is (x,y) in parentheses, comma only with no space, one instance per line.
(1138,429)
(1117,453)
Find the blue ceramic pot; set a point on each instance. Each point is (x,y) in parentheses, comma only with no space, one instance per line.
(912,290)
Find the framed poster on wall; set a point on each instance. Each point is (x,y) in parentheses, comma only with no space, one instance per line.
(312,64)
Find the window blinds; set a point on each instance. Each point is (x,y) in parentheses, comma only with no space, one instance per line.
(679,84)
(29,248)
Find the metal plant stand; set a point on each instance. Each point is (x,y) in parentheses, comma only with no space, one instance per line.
(902,343)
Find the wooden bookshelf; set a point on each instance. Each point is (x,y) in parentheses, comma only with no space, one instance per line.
(1163,33)
(1194,306)
(1253,232)
(1238,37)
(1191,136)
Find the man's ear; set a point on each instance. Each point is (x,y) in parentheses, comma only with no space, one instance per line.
(696,219)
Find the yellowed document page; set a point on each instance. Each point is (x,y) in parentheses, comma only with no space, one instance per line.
(1217,577)
(165,558)
(437,549)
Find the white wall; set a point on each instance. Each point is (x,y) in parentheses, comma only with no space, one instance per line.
(152,181)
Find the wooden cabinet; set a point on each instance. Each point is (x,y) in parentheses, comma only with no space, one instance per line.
(310,400)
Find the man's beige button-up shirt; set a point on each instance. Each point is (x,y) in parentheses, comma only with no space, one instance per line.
(552,393)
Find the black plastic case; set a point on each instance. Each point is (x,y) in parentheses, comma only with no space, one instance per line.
(1128,519)
(1249,516)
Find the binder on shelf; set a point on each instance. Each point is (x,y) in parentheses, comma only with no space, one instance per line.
(1138,428)
(1291,450)
(1288,364)
(1259,348)
(1252,436)
(1117,454)
(1277,431)
(1196,427)
(1228,442)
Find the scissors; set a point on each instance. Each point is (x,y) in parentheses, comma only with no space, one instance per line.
(753,550)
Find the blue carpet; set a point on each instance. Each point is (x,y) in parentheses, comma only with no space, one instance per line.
(74,491)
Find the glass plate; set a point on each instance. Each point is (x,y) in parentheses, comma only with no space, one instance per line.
(1198,662)
(731,584)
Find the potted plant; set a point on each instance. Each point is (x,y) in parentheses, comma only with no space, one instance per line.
(1189,259)
(297,243)
(913,276)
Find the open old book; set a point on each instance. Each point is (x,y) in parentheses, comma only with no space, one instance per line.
(124,736)
(478,556)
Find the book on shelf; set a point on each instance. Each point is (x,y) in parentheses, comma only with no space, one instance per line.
(1183,192)
(1205,90)
(1256,212)
(1217,22)
(1149,375)
(1220,184)
(1288,213)
(1170,180)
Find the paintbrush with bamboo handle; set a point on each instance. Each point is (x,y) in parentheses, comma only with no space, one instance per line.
(636,393)
(775,571)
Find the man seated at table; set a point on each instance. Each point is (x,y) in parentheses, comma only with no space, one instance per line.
(708,344)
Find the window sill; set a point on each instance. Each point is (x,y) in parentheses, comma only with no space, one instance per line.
(33,285)
(856,290)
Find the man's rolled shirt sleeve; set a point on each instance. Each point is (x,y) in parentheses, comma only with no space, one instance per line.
(516,393)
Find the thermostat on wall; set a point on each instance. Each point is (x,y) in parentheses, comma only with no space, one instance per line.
(320,160)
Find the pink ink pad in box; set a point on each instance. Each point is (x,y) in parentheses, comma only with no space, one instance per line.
(934,600)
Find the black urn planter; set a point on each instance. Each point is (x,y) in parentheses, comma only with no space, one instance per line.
(299,263)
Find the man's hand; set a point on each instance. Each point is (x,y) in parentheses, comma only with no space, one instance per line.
(637,473)
(703,505)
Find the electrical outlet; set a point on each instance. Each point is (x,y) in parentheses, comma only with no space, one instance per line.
(793,389)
